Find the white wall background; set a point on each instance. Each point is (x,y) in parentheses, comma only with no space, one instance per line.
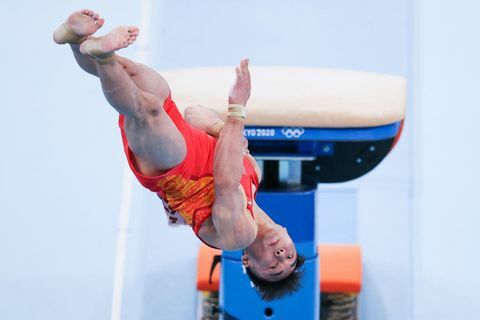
(446,78)
(60,171)
(61,163)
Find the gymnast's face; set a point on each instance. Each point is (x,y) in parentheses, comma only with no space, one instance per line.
(274,258)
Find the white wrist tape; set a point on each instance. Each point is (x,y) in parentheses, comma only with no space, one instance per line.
(237,111)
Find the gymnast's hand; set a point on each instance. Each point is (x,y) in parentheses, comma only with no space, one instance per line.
(240,91)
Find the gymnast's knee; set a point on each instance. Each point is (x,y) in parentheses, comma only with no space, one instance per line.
(147,107)
(128,65)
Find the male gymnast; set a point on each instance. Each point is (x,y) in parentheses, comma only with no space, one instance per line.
(199,167)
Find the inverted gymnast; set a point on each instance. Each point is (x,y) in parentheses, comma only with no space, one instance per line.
(200,168)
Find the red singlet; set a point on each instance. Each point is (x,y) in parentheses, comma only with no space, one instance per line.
(187,189)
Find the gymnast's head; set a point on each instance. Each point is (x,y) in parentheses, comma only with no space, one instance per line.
(273,264)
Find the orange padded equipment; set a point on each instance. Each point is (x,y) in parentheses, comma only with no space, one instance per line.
(205,258)
(340,268)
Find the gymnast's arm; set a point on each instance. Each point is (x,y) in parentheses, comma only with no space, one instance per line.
(210,122)
(235,228)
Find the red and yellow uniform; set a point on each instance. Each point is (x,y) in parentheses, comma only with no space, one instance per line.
(187,190)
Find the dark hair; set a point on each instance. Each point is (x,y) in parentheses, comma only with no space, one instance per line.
(269,290)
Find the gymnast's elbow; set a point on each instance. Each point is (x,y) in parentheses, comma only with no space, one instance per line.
(237,235)
(238,241)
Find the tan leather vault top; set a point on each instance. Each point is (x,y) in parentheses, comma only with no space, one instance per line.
(306,97)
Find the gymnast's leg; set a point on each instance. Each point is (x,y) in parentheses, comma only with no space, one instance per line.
(153,137)
(83,24)
(78,26)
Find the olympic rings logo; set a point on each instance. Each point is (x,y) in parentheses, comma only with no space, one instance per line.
(293,132)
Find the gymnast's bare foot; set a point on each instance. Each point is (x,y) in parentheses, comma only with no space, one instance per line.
(78,26)
(103,48)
